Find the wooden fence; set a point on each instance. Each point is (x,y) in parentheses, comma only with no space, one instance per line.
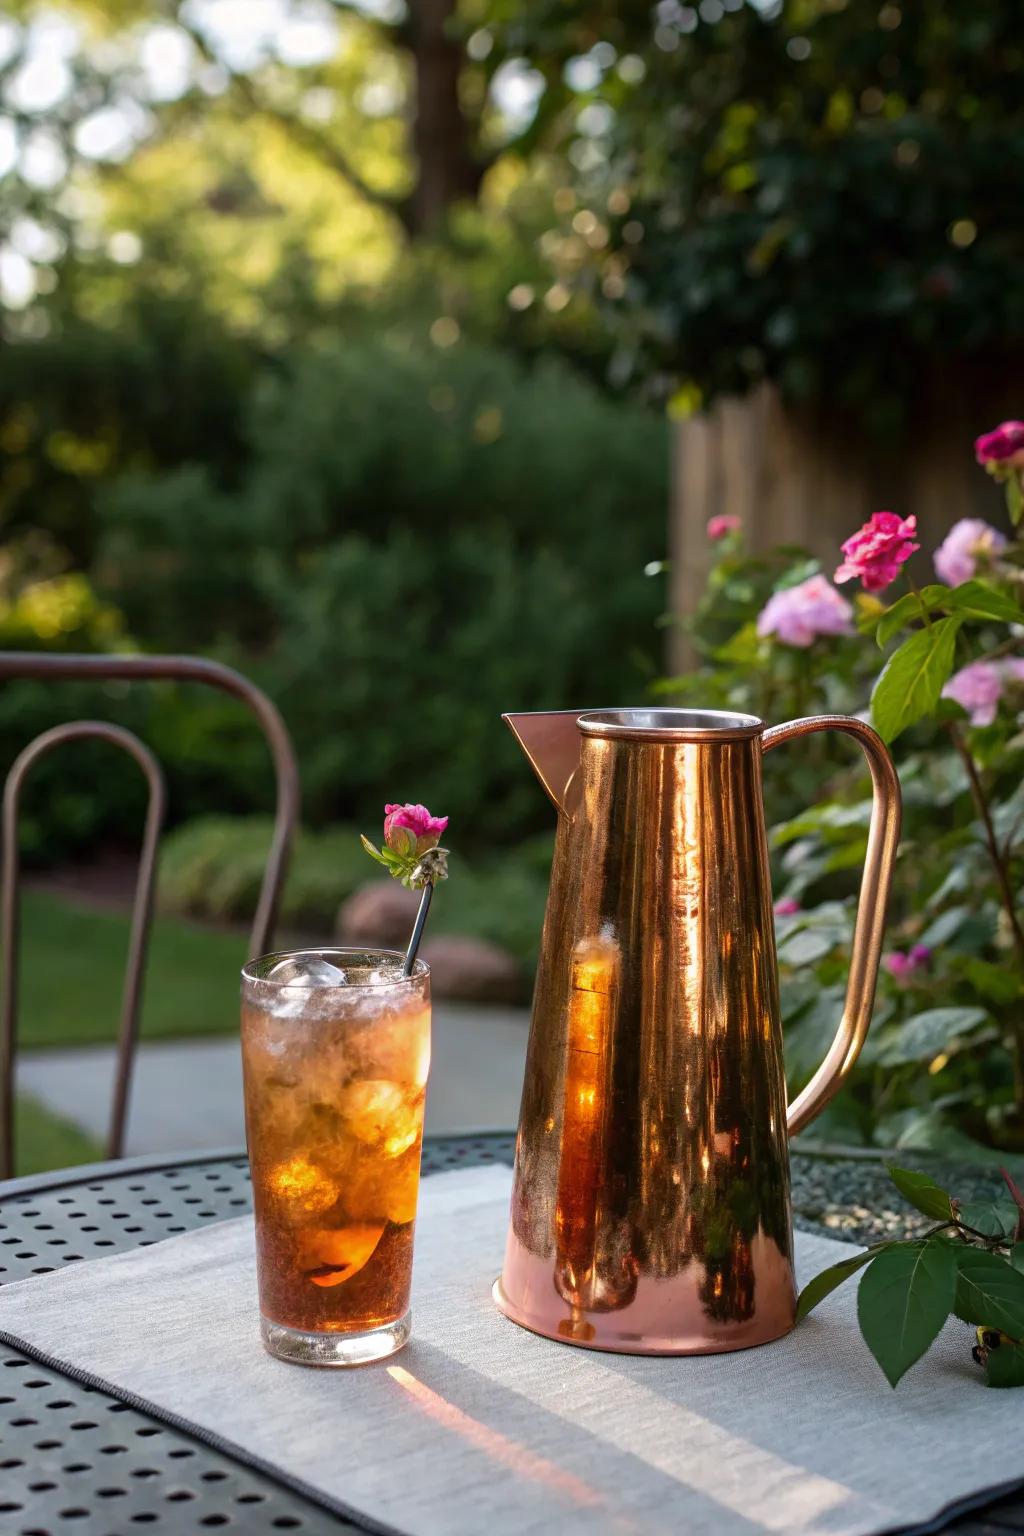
(811,477)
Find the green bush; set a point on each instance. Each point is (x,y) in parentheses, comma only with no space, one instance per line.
(212,868)
(424,538)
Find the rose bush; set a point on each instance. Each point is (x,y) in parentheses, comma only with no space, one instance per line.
(939,670)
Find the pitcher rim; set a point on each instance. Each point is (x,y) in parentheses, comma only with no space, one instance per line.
(670,725)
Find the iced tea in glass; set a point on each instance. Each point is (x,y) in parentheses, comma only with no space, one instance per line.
(335,1054)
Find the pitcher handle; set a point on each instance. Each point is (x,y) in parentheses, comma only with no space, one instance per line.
(883,836)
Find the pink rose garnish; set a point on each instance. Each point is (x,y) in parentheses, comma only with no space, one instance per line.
(411,828)
(786,907)
(1004,444)
(876,552)
(798,615)
(956,558)
(722,525)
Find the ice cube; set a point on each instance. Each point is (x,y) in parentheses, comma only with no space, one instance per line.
(302,1189)
(306,971)
(379,1114)
(301,975)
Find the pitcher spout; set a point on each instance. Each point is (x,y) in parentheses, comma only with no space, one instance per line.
(551,741)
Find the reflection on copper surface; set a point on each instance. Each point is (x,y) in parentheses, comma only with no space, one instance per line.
(592,1268)
(518,1458)
(650,1208)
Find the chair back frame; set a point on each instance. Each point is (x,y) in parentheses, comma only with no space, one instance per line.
(64,668)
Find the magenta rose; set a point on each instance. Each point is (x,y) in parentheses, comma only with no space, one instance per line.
(798,615)
(1003,445)
(969,540)
(721,526)
(786,907)
(876,552)
(902,966)
(411,828)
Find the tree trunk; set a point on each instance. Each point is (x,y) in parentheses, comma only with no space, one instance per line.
(447,171)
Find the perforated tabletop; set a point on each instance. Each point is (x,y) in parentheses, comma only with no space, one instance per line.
(77,1461)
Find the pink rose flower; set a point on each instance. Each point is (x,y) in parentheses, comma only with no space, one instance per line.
(798,615)
(1004,445)
(876,552)
(902,966)
(411,828)
(978,689)
(786,907)
(956,558)
(722,525)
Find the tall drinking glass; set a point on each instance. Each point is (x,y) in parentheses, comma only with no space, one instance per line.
(335,1054)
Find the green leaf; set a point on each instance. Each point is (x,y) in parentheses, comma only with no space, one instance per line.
(992,1218)
(924,1035)
(992,981)
(908,608)
(944,927)
(826,1282)
(1017,1256)
(1005,1365)
(803,948)
(973,599)
(980,601)
(913,677)
(922,1192)
(903,1299)
(1015,498)
(989,1291)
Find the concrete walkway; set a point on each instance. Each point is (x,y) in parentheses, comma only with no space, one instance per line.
(187,1094)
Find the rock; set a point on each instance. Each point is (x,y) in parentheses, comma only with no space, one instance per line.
(379,914)
(472,970)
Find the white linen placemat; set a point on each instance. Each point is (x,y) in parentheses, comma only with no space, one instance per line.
(480,1426)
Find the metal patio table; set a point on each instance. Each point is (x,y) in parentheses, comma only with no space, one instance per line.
(75,1459)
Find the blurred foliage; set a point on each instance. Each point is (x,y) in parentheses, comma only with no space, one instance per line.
(943,1067)
(419,542)
(818,192)
(213,867)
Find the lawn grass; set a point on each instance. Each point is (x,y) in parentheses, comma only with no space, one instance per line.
(72,970)
(43,1140)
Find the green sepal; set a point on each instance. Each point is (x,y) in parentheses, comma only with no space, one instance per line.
(374,853)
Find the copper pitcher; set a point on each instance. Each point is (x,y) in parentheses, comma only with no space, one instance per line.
(651,1202)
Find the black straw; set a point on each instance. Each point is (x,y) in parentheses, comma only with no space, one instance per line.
(417,928)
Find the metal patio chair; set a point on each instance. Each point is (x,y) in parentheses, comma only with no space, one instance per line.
(53,668)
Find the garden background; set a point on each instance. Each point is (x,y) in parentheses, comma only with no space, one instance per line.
(347,343)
